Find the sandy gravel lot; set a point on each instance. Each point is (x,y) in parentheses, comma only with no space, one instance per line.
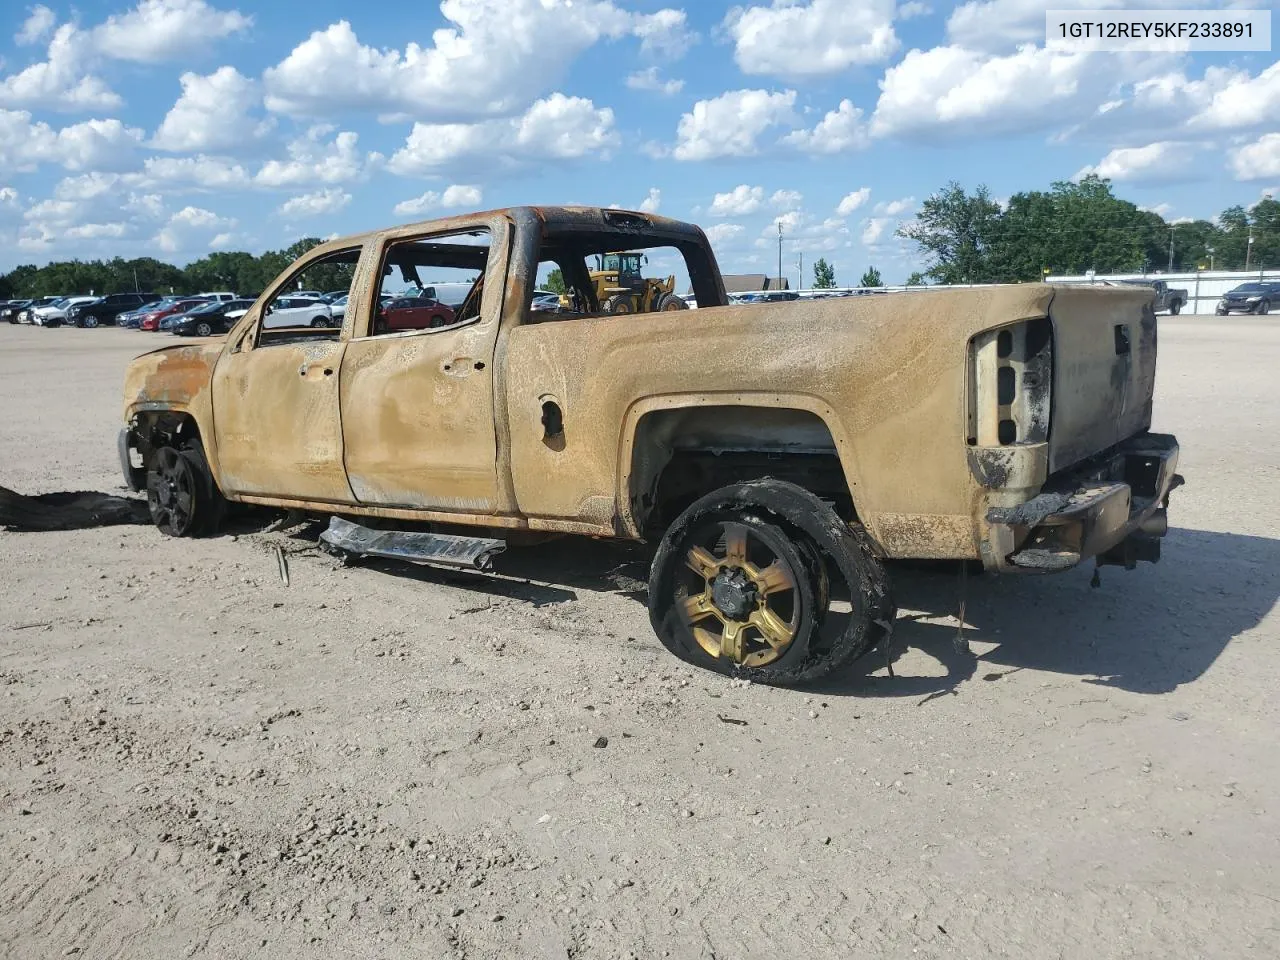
(196,760)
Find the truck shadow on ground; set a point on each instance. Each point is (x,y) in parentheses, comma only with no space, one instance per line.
(541,575)
(1149,630)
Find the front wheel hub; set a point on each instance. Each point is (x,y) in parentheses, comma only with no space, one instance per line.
(734,594)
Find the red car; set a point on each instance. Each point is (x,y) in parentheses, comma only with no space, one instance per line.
(413,313)
(151,321)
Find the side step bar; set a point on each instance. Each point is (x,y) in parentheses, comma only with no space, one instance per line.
(472,553)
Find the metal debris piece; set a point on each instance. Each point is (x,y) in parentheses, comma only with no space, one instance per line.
(282,563)
(475,553)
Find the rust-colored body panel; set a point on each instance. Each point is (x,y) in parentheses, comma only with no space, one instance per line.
(450,424)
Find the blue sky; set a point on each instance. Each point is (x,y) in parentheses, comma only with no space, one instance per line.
(173,127)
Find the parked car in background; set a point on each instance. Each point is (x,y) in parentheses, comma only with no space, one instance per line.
(545,302)
(236,309)
(106,309)
(298,311)
(413,313)
(768,296)
(12,309)
(221,295)
(335,295)
(1258,296)
(208,319)
(310,295)
(28,313)
(338,307)
(55,314)
(1168,299)
(151,319)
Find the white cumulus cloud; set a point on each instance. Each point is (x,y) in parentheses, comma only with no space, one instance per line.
(722,233)
(786,199)
(557,127)
(792,39)
(456,195)
(1243,101)
(840,130)
(1159,162)
(213,113)
(494,59)
(738,202)
(313,160)
(327,200)
(191,228)
(36,27)
(730,125)
(852,201)
(1257,160)
(895,208)
(94,144)
(650,79)
(156,31)
(60,82)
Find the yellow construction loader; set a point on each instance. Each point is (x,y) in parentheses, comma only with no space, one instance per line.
(621,289)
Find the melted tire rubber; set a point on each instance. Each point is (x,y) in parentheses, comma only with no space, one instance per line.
(820,533)
(68,511)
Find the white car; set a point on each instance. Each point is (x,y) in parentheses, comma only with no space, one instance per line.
(56,312)
(338,307)
(221,296)
(237,309)
(298,311)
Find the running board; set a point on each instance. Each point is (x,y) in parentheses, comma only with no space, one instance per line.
(472,553)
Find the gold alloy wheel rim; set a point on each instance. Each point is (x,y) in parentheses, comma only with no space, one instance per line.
(731,641)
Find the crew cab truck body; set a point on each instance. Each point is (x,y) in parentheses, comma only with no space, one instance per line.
(777,453)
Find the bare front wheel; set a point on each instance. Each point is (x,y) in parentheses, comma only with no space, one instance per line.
(181,494)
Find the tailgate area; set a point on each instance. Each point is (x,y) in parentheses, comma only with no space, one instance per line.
(1104,370)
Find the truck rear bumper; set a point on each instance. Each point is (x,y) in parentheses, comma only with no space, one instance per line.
(1113,508)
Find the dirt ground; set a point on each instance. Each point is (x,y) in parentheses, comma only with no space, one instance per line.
(196,760)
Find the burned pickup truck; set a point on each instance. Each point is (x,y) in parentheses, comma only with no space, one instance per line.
(777,454)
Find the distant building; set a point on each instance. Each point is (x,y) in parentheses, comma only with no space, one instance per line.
(751,282)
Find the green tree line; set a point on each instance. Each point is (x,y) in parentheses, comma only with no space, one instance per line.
(1075,227)
(236,271)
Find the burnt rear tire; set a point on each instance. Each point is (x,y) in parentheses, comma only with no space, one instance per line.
(182,497)
(821,553)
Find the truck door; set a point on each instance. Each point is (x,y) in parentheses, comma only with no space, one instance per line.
(275,401)
(418,405)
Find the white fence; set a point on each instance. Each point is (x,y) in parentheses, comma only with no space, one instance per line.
(1204,287)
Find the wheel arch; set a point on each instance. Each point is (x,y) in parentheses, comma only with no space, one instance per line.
(706,437)
(152,427)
